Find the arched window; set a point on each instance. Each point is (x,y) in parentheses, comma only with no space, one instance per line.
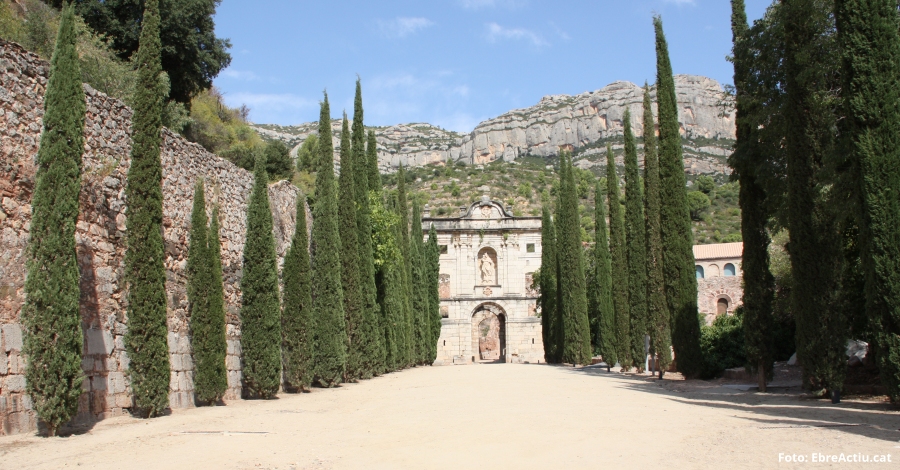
(729,269)
(699,270)
(722,307)
(713,270)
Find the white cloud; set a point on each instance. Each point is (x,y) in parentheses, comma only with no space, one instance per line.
(495,32)
(244,75)
(479,4)
(273,107)
(403,26)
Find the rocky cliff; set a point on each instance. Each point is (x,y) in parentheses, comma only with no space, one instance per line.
(582,123)
(100,242)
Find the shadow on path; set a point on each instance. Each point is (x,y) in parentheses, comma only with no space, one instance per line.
(784,407)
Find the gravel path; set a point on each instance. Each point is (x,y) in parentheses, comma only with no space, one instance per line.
(498,416)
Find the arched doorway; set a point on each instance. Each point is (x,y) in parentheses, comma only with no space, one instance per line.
(489,334)
(722,306)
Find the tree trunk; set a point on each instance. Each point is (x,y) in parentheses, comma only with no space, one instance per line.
(761,372)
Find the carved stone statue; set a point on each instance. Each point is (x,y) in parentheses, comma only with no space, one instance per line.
(488,273)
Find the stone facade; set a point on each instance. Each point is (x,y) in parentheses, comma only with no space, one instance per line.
(100,241)
(719,278)
(487,304)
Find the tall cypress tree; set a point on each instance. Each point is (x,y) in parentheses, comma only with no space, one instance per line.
(759,284)
(217,345)
(433,254)
(814,247)
(145,273)
(209,365)
(51,317)
(548,284)
(350,269)
(260,303)
(390,289)
(870,50)
(658,312)
(619,259)
(372,332)
(296,319)
(330,332)
(576,336)
(636,246)
(419,280)
(675,219)
(403,211)
(372,162)
(604,313)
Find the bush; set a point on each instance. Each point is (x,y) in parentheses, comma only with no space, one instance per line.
(697,203)
(722,345)
(706,184)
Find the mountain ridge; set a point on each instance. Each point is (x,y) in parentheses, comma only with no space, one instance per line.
(580,123)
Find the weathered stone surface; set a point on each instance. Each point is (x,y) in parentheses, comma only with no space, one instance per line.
(100,238)
(12,337)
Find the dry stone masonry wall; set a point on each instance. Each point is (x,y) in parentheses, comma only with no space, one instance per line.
(100,242)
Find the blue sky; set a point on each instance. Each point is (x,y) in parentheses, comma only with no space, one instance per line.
(454,63)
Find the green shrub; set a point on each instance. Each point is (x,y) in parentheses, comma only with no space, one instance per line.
(722,345)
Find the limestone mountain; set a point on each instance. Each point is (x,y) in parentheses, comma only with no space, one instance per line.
(582,123)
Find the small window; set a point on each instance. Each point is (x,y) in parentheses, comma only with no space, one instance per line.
(699,270)
(729,270)
(529,247)
(443,249)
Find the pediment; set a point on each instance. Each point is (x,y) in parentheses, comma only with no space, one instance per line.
(487,208)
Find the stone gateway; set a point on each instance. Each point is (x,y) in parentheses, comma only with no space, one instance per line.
(488,306)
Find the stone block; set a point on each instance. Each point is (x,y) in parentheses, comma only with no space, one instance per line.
(98,383)
(12,337)
(187,362)
(3,363)
(172,340)
(116,382)
(173,381)
(123,400)
(175,362)
(14,383)
(99,341)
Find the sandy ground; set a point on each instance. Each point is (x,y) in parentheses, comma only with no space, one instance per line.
(497,416)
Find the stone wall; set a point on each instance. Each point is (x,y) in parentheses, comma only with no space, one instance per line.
(100,241)
(711,289)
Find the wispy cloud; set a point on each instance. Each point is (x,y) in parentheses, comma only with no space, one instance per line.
(437,97)
(480,4)
(273,107)
(403,26)
(559,32)
(496,32)
(244,75)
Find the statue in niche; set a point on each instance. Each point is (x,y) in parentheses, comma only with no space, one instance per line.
(488,273)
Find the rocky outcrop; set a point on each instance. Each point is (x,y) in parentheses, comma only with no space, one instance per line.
(100,241)
(578,123)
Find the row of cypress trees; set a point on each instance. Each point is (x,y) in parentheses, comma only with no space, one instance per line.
(642,282)
(334,325)
(832,128)
(51,316)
